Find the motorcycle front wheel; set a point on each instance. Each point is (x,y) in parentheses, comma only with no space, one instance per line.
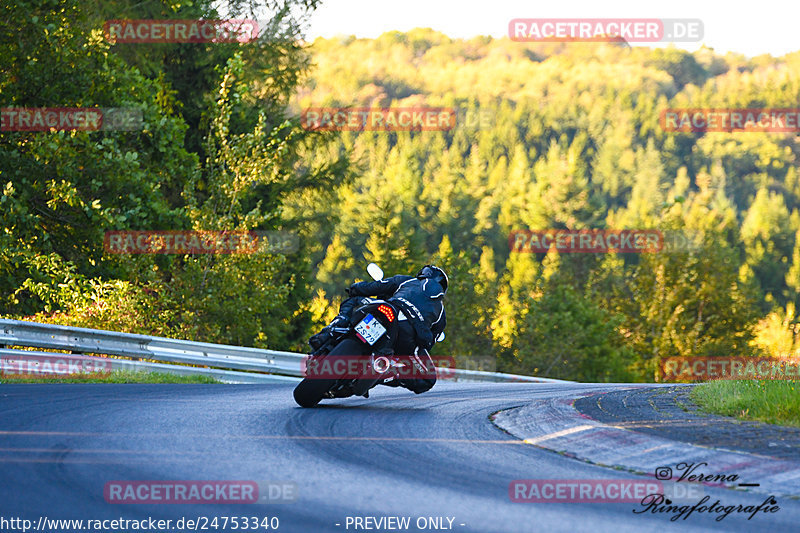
(310,391)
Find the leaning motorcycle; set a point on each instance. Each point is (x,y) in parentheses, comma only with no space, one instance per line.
(358,357)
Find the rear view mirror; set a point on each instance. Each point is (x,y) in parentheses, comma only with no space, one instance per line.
(375,271)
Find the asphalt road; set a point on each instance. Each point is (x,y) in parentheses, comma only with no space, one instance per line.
(394,454)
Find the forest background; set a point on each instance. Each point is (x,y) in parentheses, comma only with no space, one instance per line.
(554,135)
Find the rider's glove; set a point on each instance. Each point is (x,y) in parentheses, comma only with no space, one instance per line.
(340,322)
(352,290)
(316,341)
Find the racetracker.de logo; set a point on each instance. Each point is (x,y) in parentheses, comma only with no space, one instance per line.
(199,492)
(605,30)
(181,31)
(367,367)
(378,118)
(200,242)
(582,490)
(181,492)
(586,241)
(48,366)
(706,368)
(769,120)
(70,119)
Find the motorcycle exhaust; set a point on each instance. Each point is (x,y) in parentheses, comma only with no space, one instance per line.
(381,364)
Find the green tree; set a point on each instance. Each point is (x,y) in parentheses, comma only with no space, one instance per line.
(768,240)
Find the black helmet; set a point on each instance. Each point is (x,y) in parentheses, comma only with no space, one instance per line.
(435,273)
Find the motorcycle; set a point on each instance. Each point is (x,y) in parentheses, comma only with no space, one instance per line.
(358,357)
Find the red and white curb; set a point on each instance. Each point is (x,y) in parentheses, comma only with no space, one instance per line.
(554,424)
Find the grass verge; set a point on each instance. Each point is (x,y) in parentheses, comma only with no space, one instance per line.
(116,376)
(770,401)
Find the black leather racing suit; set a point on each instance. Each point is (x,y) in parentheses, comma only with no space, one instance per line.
(421,302)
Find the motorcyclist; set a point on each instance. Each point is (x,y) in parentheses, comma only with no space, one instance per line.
(420,321)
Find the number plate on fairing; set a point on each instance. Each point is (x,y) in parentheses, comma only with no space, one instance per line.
(370,329)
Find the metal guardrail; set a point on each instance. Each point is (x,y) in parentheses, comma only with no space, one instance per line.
(234,364)
(57,363)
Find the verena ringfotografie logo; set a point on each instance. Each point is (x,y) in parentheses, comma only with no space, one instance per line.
(181,31)
(70,119)
(47,366)
(771,120)
(200,242)
(586,241)
(378,118)
(605,30)
(662,504)
(706,368)
(199,492)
